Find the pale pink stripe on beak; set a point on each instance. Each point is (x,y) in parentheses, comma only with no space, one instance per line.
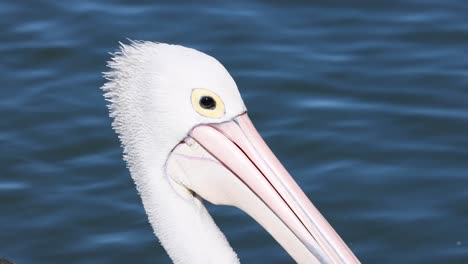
(241,149)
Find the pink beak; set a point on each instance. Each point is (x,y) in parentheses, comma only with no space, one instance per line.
(238,147)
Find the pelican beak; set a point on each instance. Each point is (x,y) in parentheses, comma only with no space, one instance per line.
(235,167)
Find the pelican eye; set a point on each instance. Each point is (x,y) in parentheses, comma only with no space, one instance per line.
(207,103)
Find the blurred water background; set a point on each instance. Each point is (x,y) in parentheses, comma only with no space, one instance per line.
(365,102)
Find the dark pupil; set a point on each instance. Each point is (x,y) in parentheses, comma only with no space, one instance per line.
(207,102)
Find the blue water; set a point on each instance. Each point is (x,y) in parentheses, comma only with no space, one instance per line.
(366,103)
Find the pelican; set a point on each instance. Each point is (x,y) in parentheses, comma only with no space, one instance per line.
(186,136)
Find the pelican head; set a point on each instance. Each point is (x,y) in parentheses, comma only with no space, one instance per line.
(186,136)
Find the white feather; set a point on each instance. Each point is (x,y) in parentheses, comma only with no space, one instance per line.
(148,90)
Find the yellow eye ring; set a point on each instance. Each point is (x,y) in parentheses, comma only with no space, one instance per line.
(207,103)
